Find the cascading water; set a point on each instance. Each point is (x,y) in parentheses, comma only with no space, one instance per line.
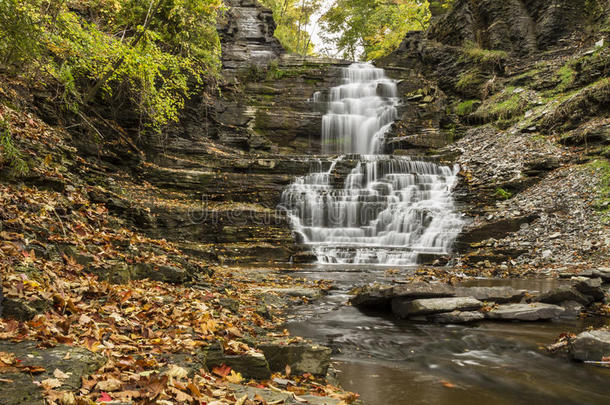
(389,209)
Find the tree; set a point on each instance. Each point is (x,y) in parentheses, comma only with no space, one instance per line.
(370,29)
(292,18)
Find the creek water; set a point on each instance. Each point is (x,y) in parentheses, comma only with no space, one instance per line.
(391,361)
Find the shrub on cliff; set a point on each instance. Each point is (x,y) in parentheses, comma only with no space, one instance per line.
(149,54)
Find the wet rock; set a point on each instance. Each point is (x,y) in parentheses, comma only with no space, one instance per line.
(252,365)
(561,294)
(304,257)
(373,297)
(457,317)
(409,308)
(423,290)
(495,294)
(381,296)
(75,362)
(603,273)
(301,357)
(526,312)
(591,287)
(311,293)
(591,346)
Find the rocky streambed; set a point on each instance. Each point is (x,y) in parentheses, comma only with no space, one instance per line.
(479,340)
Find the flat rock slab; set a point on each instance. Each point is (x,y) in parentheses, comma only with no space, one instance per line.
(500,295)
(457,317)
(311,293)
(406,308)
(301,357)
(526,312)
(381,296)
(280,397)
(591,287)
(372,296)
(603,273)
(591,346)
(75,362)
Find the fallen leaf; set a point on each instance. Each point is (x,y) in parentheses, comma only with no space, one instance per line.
(111,384)
(50,383)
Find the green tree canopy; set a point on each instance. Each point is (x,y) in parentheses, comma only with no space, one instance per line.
(370,29)
(292,18)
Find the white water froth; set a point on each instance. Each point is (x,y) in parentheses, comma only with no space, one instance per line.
(363,207)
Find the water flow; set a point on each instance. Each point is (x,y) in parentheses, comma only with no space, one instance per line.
(364,207)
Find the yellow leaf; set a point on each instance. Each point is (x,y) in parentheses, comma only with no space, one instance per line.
(234,377)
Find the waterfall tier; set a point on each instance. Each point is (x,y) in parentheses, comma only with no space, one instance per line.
(364,207)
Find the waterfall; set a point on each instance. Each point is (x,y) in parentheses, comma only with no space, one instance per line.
(364,207)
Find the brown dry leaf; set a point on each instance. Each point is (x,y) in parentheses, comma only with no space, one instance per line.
(50,383)
(60,374)
(109,385)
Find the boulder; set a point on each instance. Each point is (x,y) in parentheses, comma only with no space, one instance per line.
(301,357)
(457,317)
(75,362)
(591,346)
(561,294)
(251,365)
(603,273)
(372,296)
(591,287)
(526,312)
(495,294)
(405,308)
(423,290)
(22,310)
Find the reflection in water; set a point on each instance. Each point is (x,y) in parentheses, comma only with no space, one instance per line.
(399,362)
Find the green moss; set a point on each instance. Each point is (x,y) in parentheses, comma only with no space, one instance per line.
(469,80)
(467,107)
(601,203)
(473,53)
(566,77)
(502,194)
(504,107)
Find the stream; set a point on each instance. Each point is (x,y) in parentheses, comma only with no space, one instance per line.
(391,361)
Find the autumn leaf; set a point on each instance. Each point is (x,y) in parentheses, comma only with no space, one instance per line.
(104,397)
(234,377)
(223,370)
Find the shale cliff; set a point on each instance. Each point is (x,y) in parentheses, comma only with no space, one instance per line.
(524,95)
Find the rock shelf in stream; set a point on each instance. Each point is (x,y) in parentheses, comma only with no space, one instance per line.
(444,303)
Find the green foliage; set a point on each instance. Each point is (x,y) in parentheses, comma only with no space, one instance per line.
(371,29)
(467,107)
(9,154)
(148,53)
(292,17)
(502,194)
(20,31)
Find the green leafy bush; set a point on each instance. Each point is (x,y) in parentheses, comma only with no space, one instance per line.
(149,54)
